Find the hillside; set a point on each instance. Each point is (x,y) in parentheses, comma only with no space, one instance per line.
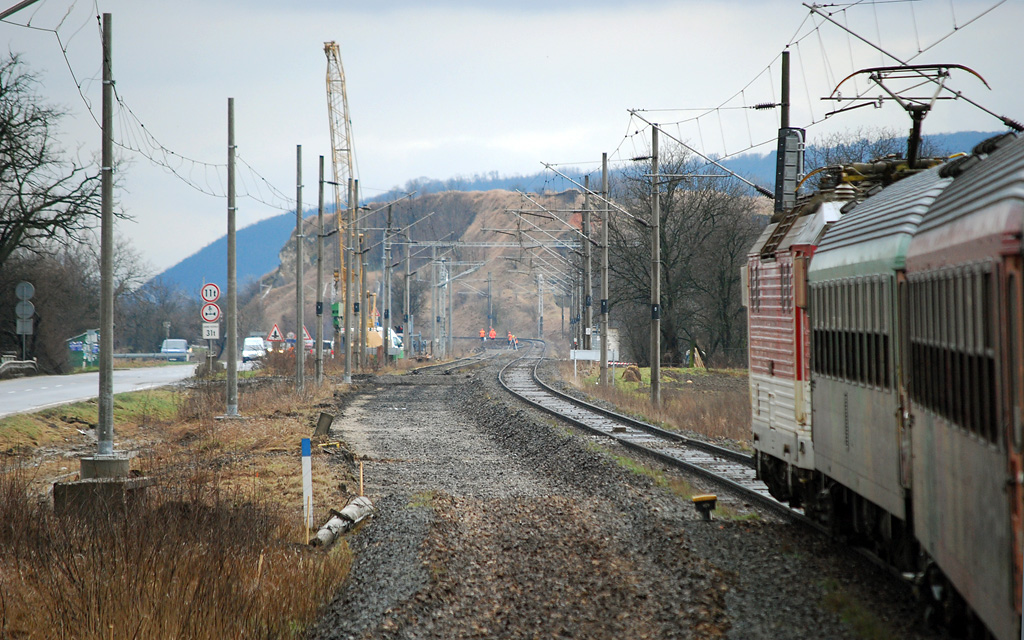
(266,252)
(473,217)
(259,244)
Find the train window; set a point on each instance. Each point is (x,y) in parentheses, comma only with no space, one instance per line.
(755,300)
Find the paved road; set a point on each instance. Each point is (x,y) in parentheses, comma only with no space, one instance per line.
(22,395)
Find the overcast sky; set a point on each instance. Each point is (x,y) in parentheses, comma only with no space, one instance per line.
(449,88)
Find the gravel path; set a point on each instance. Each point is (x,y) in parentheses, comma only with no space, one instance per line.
(494,522)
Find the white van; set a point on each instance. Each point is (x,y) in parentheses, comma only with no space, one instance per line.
(253,349)
(175,349)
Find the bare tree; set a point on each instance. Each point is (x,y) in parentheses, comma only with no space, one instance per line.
(862,144)
(707,225)
(44,198)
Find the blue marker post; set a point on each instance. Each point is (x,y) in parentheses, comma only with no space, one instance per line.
(307,485)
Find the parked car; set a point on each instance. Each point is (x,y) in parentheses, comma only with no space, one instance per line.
(176,349)
(253,349)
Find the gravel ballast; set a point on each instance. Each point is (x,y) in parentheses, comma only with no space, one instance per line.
(495,521)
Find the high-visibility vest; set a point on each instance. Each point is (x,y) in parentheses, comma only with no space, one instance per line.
(494,334)
(482,333)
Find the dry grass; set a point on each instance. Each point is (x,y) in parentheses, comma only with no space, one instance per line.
(206,564)
(718,411)
(215,551)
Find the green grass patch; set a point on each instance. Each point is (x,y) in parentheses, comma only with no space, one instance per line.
(725,512)
(20,430)
(145,407)
(864,622)
(54,424)
(423,500)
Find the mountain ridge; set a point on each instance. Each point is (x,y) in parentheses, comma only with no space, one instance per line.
(259,245)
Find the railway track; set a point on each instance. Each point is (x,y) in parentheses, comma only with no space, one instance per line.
(447,368)
(727,468)
(723,466)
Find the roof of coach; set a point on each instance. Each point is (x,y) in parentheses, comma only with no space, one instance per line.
(873,237)
(806,230)
(994,173)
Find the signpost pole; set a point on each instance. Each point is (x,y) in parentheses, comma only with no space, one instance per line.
(231,408)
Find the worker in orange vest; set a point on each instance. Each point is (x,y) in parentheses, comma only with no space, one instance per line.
(494,334)
(509,339)
(483,336)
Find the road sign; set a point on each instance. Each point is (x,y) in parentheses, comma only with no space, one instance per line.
(305,334)
(210,292)
(210,312)
(24,309)
(275,335)
(24,290)
(211,331)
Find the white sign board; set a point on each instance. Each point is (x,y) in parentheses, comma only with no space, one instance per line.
(585,354)
(211,331)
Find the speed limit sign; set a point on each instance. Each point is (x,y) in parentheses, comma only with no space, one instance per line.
(210,312)
(210,292)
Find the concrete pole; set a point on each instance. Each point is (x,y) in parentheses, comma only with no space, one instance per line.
(434,312)
(300,342)
(347,315)
(319,369)
(588,282)
(655,273)
(784,111)
(490,307)
(364,307)
(232,293)
(361,357)
(606,218)
(407,326)
(450,287)
(105,428)
(540,306)
(387,287)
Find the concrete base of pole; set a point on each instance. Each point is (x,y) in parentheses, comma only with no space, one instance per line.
(98,496)
(230,416)
(112,466)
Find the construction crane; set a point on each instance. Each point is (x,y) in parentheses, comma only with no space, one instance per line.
(342,165)
(341,133)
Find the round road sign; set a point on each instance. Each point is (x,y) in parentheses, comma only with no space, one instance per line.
(24,290)
(210,292)
(210,312)
(24,309)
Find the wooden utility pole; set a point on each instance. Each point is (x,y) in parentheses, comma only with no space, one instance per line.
(232,288)
(655,272)
(604,270)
